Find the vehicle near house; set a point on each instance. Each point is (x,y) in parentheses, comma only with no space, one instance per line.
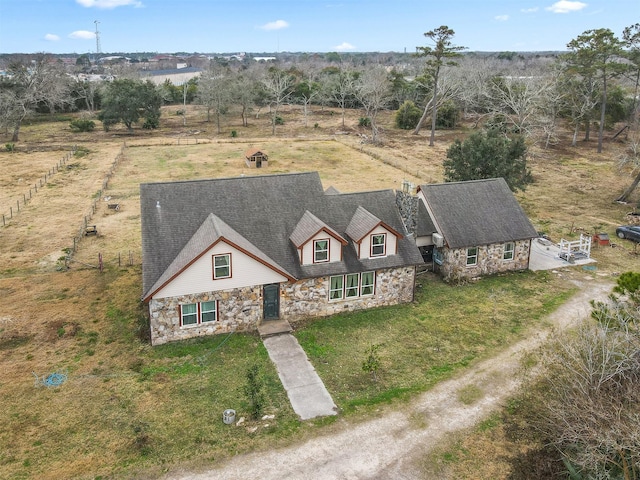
(629,232)
(224,255)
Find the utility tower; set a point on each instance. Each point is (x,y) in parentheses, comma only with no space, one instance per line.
(98,51)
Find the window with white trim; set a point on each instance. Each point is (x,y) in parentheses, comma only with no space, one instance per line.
(335,287)
(189,314)
(208,311)
(509,250)
(367,283)
(378,244)
(351,285)
(472,256)
(198,313)
(320,251)
(222,266)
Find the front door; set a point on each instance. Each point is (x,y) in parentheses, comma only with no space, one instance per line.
(271,301)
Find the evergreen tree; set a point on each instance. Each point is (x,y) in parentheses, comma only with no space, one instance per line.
(488,154)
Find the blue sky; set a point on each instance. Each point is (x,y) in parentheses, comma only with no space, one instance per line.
(67,26)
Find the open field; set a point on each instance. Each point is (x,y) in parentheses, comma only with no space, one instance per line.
(129,410)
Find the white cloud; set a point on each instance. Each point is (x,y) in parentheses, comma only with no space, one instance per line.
(566,6)
(277,25)
(501,18)
(344,46)
(83,35)
(108,4)
(50,37)
(529,10)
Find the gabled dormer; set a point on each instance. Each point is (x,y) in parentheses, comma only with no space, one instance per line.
(372,237)
(316,241)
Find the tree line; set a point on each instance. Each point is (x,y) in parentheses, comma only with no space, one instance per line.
(594,85)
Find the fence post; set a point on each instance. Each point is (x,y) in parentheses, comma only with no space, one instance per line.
(11,212)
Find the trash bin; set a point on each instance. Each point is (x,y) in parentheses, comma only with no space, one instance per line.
(229,416)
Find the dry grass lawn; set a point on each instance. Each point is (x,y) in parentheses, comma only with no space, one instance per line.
(52,317)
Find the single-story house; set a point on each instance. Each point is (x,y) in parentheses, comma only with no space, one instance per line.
(473,228)
(256,158)
(227,254)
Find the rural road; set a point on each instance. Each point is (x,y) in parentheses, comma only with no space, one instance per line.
(387,447)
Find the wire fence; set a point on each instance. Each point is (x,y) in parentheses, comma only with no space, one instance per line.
(86,229)
(7,216)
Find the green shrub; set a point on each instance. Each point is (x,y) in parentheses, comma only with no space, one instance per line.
(408,115)
(371,363)
(253,389)
(80,125)
(278,120)
(234,133)
(151,122)
(10,147)
(447,116)
(364,122)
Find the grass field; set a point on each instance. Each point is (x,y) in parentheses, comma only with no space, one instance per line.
(129,410)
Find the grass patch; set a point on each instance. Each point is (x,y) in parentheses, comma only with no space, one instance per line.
(469,394)
(445,329)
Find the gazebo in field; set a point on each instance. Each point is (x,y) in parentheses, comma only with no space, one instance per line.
(256,158)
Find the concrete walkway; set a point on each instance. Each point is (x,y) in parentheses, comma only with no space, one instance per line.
(307,394)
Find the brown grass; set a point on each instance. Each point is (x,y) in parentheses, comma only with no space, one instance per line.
(51,318)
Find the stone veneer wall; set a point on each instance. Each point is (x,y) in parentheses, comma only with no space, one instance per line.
(454,266)
(408,207)
(310,298)
(241,309)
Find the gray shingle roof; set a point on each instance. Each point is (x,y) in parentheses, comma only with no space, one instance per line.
(264,211)
(361,224)
(308,226)
(212,230)
(424,224)
(479,212)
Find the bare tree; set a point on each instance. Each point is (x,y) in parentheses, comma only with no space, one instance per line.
(244,89)
(373,91)
(279,85)
(87,90)
(214,92)
(588,396)
(630,160)
(41,80)
(340,88)
(518,101)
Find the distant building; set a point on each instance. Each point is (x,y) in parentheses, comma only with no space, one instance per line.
(177,76)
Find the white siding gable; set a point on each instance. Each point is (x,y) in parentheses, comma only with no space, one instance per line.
(198,277)
(391,243)
(335,249)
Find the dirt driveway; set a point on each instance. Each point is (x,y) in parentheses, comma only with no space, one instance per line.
(388,447)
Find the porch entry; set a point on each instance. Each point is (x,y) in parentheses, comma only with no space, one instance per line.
(271,301)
